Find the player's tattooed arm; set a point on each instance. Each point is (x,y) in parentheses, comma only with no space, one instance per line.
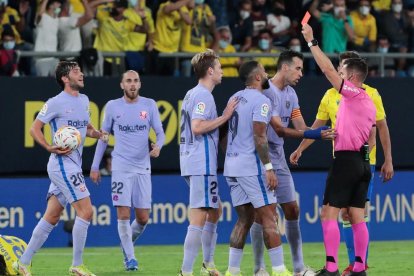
(260,141)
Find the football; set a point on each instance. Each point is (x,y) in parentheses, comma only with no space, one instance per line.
(67,137)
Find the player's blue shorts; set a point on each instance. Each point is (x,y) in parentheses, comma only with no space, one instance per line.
(68,187)
(371,183)
(204,191)
(250,189)
(131,189)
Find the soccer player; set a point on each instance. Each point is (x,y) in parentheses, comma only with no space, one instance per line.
(11,248)
(356,127)
(198,160)
(327,110)
(130,119)
(68,108)
(285,108)
(249,171)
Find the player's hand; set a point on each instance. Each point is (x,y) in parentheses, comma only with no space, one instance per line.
(271,179)
(59,151)
(95,176)
(328,134)
(387,171)
(155,152)
(307,32)
(103,136)
(294,157)
(231,106)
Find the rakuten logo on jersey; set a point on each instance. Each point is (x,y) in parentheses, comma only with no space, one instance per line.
(78,123)
(134,128)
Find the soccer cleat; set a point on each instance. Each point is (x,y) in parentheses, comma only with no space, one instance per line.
(261,272)
(80,270)
(231,274)
(283,273)
(209,271)
(131,265)
(361,273)
(324,272)
(306,272)
(22,269)
(347,270)
(185,274)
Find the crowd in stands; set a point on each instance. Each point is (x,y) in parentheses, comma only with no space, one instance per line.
(143,29)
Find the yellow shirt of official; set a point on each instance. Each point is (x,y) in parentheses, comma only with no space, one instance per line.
(193,38)
(269,63)
(364,27)
(168,30)
(329,107)
(11,17)
(229,64)
(136,41)
(11,248)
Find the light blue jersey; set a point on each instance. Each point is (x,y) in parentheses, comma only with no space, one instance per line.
(130,123)
(198,153)
(66,110)
(283,102)
(241,156)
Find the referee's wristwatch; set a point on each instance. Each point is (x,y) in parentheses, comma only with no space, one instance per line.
(314,42)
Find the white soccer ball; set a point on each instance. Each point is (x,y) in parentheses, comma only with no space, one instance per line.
(67,137)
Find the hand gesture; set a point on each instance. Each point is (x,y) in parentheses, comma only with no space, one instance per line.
(328,134)
(271,179)
(104,136)
(294,157)
(231,106)
(155,152)
(307,32)
(387,171)
(95,176)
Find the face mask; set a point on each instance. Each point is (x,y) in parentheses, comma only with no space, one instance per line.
(223,43)
(133,3)
(264,44)
(296,48)
(199,2)
(8,45)
(382,50)
(244,14)
(364,10)
(397,7)
(338,10)
(57,11)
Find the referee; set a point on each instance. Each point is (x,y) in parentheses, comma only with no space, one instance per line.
(349,175)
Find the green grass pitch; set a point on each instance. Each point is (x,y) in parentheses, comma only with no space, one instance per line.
(386,259)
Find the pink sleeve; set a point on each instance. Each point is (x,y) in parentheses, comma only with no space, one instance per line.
(349,90)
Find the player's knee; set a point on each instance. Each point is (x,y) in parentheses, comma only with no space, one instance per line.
(292,213)
(143,220)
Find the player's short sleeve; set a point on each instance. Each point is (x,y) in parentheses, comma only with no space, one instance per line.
(379,107)
(323,112)
(274,102)
(107,122)
(203,107)
(262,110)
(49,111)
(295,100)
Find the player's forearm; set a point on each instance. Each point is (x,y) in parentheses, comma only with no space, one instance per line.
(39,137)
(203,126)
(304,145)
(262,148)
(385,139)
(160,137)
(92,132)
(99,152)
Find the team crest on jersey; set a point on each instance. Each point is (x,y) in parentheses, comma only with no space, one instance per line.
(287,104)
(143,115)
(264,110)
(82,188)
(200,108)
(43,110)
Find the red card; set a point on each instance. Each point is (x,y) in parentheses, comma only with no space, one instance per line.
(306,18)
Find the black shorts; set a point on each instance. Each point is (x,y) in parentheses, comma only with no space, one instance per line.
(348,180)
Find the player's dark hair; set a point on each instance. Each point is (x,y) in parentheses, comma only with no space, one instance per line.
(62,70)
(358,65)
(286,57)
(348,54)
(247,70)
(51,2)
(202,61)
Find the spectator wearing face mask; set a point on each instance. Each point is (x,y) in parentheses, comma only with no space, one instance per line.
(375,63)
(295,45)
(365,28)
(337,27)
(241,26)
(393,24)
(8,56)
(264,45)
(259,18)
(279,24)
(230,65)
(47,23)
